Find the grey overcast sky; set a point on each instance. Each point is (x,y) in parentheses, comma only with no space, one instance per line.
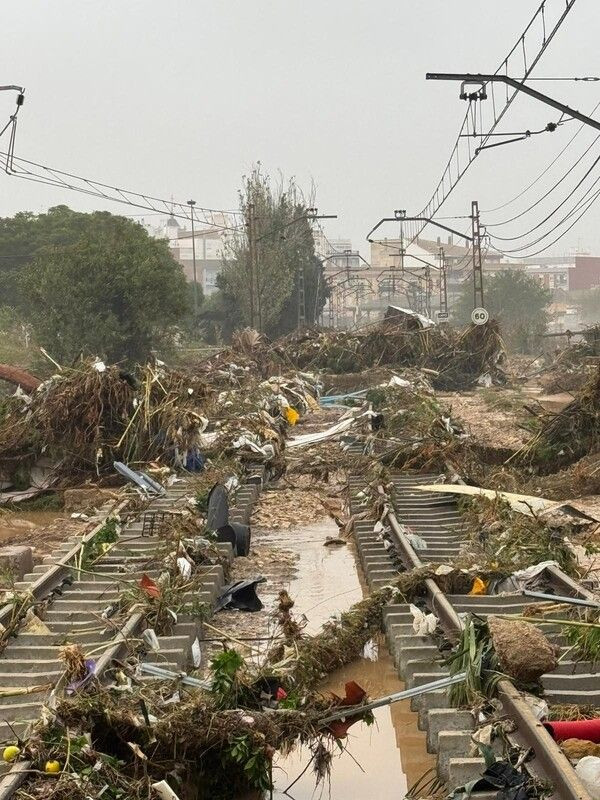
(180,98)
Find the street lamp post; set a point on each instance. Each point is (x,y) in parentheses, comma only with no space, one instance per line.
(191,204)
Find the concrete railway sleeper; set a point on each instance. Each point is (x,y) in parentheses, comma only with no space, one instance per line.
(76,601)
(436,519)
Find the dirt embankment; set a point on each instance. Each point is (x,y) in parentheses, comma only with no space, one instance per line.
(492,416)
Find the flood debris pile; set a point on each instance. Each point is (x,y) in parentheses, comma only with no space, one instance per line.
(570,434)
(457,359)
(569,369)
(89,415)
(411,428)
(505,541)
(126,736)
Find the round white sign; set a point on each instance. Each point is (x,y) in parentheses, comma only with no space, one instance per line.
(479,316)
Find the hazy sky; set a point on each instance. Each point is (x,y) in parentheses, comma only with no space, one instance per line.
(180,98)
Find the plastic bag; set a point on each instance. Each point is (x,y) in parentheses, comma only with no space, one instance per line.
(479,587)
(291,415)
(423,624)
(588,770)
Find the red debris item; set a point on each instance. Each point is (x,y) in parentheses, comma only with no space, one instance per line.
(149,586)
(281,694)
(19,377)
(355,694)
(588,729)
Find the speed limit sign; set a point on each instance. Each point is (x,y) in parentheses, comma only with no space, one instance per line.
(479,316)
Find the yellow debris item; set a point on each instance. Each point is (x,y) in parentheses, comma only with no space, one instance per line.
(52,767)
(291,415)
(479,587)
(11,752)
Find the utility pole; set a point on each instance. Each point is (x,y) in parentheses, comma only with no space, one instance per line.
(311,215)
(301,297)
(250,226)
(477,265)
(428,288)
(443,283)
(191,204)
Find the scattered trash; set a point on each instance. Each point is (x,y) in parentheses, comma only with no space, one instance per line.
(150,638)
(332,541)
(588,729)
(588,769)
(479,587)
(164,791)
(240,595)
(423,624)
(140,479)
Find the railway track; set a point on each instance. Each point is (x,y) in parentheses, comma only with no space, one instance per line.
(77,606)
(437,520)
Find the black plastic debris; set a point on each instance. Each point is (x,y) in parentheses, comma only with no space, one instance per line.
(240,595)
(217,520)
(511,783)
(217,514)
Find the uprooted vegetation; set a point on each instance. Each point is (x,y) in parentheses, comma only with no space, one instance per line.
(505,541)
(209,742)
(455,359)
(570,434)
(92,414)
(88,416)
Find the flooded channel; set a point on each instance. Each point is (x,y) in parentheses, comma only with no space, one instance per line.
(383,759)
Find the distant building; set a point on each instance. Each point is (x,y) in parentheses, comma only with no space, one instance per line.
(586,274)
(210,243)
(552,276)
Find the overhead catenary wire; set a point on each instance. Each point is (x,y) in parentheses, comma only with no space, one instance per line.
(39,173)
(548,192)
(554,241)
(546,169)
(556,209)
(459,161)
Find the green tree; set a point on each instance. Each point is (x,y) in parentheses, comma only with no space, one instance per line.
(262,267)
(25,235)
(516,300)
(111,290)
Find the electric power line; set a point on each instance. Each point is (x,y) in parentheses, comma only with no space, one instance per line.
(574,210)
(545,170)
(40,173)
(555,210)
(536,37)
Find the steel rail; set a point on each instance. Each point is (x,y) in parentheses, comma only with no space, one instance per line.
(549,756)
(44,586)
(50,580)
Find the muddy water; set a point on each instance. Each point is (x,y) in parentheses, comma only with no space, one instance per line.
(13,523)
(385,759)
(326,581)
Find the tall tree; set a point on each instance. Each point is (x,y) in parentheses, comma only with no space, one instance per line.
(105,288)
(517,300)
(265,264)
